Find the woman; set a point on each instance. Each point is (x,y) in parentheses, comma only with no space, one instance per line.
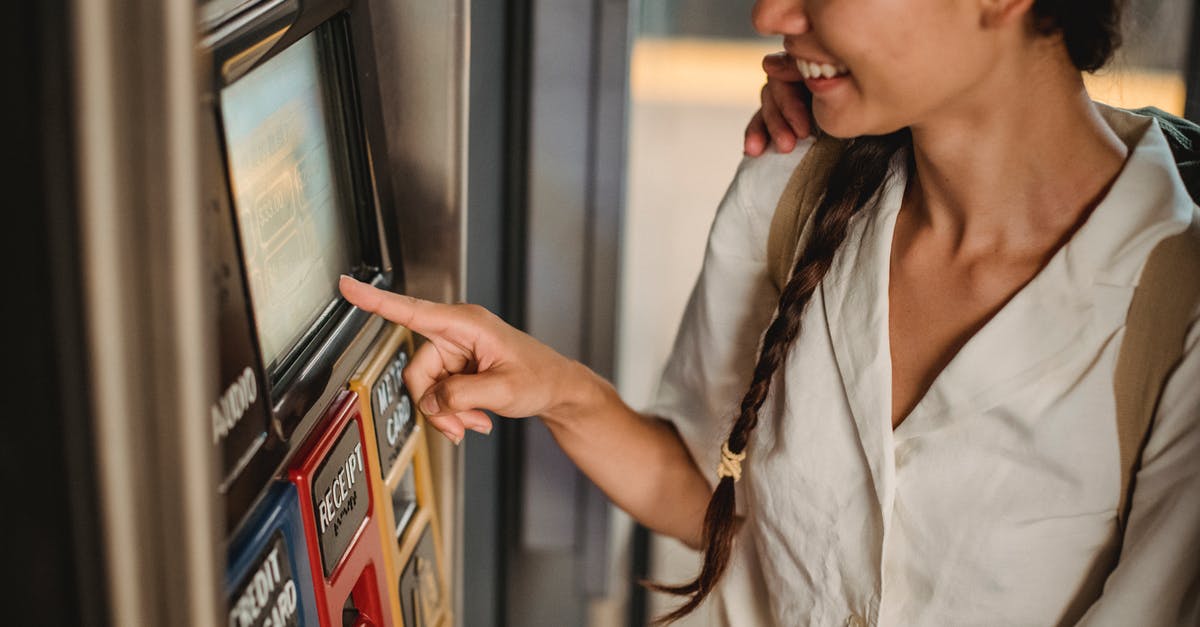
(926,430)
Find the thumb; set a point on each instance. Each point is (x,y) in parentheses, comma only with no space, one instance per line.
(465,392)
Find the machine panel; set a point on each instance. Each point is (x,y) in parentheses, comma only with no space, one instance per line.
(343,542)
(408,511)
(268,580)
(340,497)
(392,406)
(292,203)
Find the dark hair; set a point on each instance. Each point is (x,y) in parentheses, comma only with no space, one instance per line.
(1090,31)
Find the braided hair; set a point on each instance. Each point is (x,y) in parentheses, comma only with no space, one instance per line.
(854,180)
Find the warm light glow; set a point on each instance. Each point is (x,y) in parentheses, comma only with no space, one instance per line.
(701,71)
(1132,88)
(727,72)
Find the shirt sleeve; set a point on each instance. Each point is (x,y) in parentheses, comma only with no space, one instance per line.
(729,308)
(1157,579)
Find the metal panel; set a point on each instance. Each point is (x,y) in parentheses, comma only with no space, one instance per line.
(148,322)
(484,490)
(424,48)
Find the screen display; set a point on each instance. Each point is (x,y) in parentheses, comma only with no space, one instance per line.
(286,148)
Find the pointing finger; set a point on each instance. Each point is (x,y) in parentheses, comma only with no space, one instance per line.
(425,317)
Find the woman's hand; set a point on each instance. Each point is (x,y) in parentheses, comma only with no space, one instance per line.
(472,361)
(784,117)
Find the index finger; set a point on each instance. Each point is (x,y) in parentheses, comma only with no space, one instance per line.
(427,318)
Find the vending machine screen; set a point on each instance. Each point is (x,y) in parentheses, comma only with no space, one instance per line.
(295,215)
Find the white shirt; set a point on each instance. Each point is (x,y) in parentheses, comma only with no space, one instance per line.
(994,502)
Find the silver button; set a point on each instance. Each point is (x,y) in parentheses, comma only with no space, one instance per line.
(854,620)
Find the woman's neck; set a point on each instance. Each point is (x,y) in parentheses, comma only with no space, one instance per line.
(1026,157)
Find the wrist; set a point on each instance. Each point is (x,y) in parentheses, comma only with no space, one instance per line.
(581,393)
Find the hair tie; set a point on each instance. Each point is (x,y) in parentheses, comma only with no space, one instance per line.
(731,463)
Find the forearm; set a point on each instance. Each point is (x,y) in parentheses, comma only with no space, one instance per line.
(639,461)
(474,361)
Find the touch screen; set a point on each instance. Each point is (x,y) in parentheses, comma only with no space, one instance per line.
(296,221)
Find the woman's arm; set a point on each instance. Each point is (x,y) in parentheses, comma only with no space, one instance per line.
(473,361)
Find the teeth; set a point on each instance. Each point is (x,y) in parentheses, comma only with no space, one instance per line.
(802,65)
(808,69)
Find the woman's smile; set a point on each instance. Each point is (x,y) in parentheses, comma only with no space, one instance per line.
(817,69)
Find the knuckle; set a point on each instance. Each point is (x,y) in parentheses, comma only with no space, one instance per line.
(476,312)
(506,395)
(448,396)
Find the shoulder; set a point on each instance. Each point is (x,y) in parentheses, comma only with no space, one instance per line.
(759,183)
(1146,203)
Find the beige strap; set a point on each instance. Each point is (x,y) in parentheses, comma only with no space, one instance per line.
(800,198)
(1155,330)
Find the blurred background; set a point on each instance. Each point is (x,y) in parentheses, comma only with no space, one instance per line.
(558,161)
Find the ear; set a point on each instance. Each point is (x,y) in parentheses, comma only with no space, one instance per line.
(1000,13)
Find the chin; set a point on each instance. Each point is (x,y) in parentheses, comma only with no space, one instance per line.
(847,123)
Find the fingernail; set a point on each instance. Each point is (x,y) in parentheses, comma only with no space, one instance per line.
(484,429)
(429,405)
(454,438)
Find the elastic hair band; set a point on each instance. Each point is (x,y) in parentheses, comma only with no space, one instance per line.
(731,463)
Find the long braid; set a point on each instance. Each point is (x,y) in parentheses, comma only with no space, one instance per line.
(854,180)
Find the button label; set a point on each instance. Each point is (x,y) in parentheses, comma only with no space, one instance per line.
(340,497)
(229,409)
(392,408)
(267,598)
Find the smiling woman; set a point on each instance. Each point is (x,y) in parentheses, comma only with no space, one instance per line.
(913,439)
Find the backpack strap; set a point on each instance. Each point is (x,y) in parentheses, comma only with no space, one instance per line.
(1155,328)
(798,202)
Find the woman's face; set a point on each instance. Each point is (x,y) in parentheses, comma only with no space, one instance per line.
(894,63)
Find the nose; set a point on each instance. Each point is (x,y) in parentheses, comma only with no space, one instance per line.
(780,17)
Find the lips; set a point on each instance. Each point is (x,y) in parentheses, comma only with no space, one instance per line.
(813,69)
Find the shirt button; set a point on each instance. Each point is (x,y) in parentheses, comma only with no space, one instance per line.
(854,620)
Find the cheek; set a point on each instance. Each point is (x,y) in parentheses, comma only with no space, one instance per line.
(903,71)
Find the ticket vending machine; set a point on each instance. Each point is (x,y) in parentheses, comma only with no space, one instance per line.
(298,191)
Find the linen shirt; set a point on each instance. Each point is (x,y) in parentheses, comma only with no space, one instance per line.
(994,501)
